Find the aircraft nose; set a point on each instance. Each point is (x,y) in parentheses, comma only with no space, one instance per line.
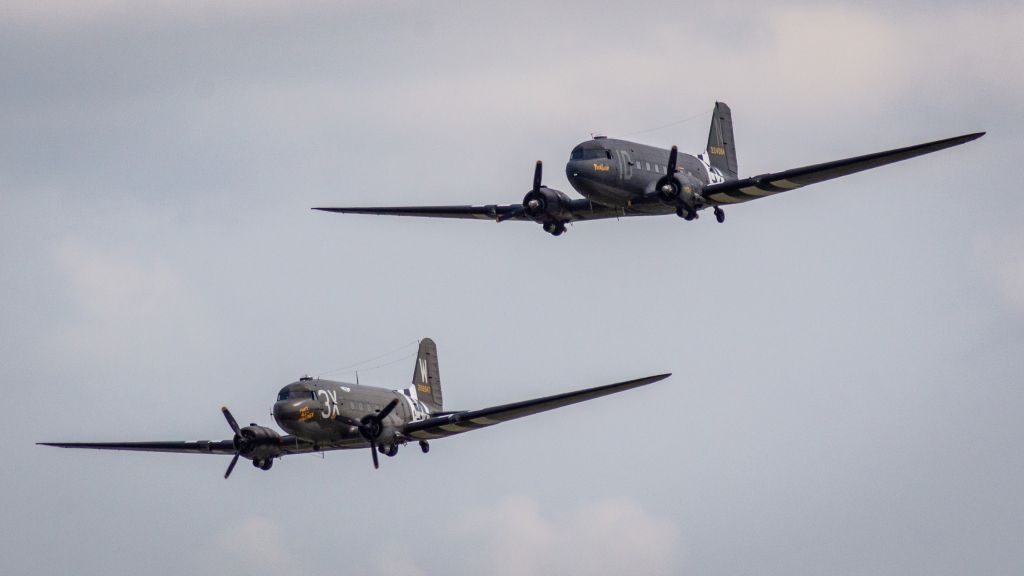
(576,169)
(287,410)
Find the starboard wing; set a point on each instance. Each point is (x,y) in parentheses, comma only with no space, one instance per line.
(459,422)
(736,191)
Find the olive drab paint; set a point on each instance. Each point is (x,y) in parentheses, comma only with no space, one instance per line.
(619,178)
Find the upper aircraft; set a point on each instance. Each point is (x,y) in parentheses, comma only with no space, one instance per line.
(619,178)
(320,415)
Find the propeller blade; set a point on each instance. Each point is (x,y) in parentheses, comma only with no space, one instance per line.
(230,419)
(537,174)
(387,410)
(231,466)
(373,452)
(672,156)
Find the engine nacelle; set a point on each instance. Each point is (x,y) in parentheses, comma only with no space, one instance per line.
(389,435)
(546,205)
(680,189)
(257,442)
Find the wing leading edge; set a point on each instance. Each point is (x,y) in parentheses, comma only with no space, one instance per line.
(200,447)
(459,422)
(736,191)
(288,445)
(580,209)
(489,212)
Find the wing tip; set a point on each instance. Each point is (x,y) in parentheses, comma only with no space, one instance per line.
(655,378)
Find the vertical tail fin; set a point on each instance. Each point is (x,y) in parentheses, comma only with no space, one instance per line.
(426,378)
(721,148)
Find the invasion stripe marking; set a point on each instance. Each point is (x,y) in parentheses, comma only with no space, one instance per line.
(454,428)
(786,184)
(755,192)
(723,197)
(484,421)
(769,187)
(424,435)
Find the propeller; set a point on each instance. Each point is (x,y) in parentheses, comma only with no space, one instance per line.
(258,443)
(534,203)
(667,186)
(237,440)
(370,427)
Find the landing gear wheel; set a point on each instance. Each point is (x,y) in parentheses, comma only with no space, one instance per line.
(549,228)
(424,446)
(392,451)
(685,213)
(267,464)
(719,214)
(558,230)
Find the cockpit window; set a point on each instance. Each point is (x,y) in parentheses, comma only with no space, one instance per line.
(282,395)
(590,154)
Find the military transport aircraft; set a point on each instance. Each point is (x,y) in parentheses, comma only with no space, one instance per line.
(321,415)
(619,178)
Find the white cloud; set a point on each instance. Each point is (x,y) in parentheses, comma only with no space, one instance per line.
(75,14)
(394,561)
(613,536)
(120,297)
(852,57)
(254,546)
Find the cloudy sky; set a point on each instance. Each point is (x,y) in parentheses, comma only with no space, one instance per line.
(847,393)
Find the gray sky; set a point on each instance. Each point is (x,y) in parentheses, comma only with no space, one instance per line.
(847,394)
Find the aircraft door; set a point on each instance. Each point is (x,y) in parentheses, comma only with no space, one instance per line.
(625,165)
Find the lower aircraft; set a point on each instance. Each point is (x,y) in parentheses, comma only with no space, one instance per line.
(321,415)
(618,178)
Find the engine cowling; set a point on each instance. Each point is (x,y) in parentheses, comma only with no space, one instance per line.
(257,442)
(680,190)
(546,205)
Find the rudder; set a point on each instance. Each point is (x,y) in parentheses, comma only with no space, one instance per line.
(426,378)
(721,148)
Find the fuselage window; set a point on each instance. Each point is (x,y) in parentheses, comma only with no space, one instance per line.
(648,166)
